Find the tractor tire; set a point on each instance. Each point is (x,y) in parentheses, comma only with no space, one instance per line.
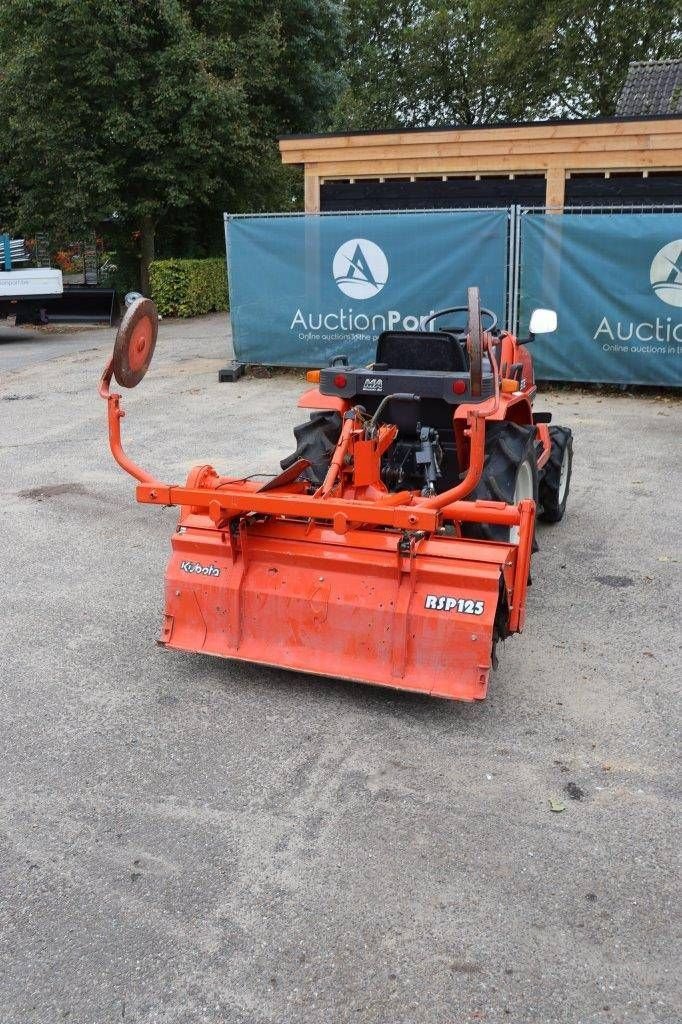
(510,473)
(315,441)
(556,480)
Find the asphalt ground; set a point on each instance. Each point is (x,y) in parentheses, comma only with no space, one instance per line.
(186,839)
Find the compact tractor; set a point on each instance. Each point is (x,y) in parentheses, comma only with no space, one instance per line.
(394,547)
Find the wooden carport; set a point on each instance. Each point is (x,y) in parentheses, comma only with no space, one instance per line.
(642,158)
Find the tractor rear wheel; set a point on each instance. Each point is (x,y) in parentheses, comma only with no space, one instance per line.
(316,441)
(510,474)
(556,480)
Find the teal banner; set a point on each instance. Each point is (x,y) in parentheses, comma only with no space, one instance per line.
(615,281)
(306,288)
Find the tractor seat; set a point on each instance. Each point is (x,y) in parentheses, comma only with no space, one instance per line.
(421,350)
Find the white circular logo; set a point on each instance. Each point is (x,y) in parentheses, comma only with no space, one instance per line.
(666,273)
(360,268)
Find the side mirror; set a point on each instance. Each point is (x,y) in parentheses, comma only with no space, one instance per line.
(542,321)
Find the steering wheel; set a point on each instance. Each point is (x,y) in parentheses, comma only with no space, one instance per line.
(464,309)
(475,341)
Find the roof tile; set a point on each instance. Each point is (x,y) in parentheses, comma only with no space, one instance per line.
(651,87)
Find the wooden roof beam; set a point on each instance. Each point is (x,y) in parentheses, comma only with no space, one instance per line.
(572,130)
(668,159)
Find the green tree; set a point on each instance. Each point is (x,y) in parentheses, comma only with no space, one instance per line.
(591,43)
(147,112)
(423,62)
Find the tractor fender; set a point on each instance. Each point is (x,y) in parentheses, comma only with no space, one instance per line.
(314,399)
(515,407)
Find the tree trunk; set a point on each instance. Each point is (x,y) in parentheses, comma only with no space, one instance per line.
(148,232)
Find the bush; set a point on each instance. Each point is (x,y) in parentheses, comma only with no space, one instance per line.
(189,287)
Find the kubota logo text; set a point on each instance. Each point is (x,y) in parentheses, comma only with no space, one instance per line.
(201,570)
(666,273)
(360,268)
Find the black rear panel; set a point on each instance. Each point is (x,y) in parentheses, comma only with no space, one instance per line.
(362,384)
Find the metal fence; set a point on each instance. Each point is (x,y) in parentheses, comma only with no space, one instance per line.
(605,270)
(433,256)
(512,213)
(614,275)
(515,257)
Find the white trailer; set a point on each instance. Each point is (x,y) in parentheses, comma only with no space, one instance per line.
(30,283)
(25,285)
(35,295)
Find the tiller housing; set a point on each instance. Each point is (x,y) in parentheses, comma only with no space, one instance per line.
(394,548)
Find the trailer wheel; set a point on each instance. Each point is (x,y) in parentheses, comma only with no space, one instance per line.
(316,441)
(556,480)
(510,474)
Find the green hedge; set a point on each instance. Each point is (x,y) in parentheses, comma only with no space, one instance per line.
(189,287)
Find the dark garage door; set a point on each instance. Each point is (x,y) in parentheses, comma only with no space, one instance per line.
(432,193)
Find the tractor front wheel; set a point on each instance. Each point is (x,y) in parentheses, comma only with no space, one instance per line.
(510,474)
(556,480)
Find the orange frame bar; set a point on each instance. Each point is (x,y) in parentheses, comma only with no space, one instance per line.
(114,416)
(227,502)
(403,511)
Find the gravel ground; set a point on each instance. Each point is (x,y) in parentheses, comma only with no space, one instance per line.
(186,839)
